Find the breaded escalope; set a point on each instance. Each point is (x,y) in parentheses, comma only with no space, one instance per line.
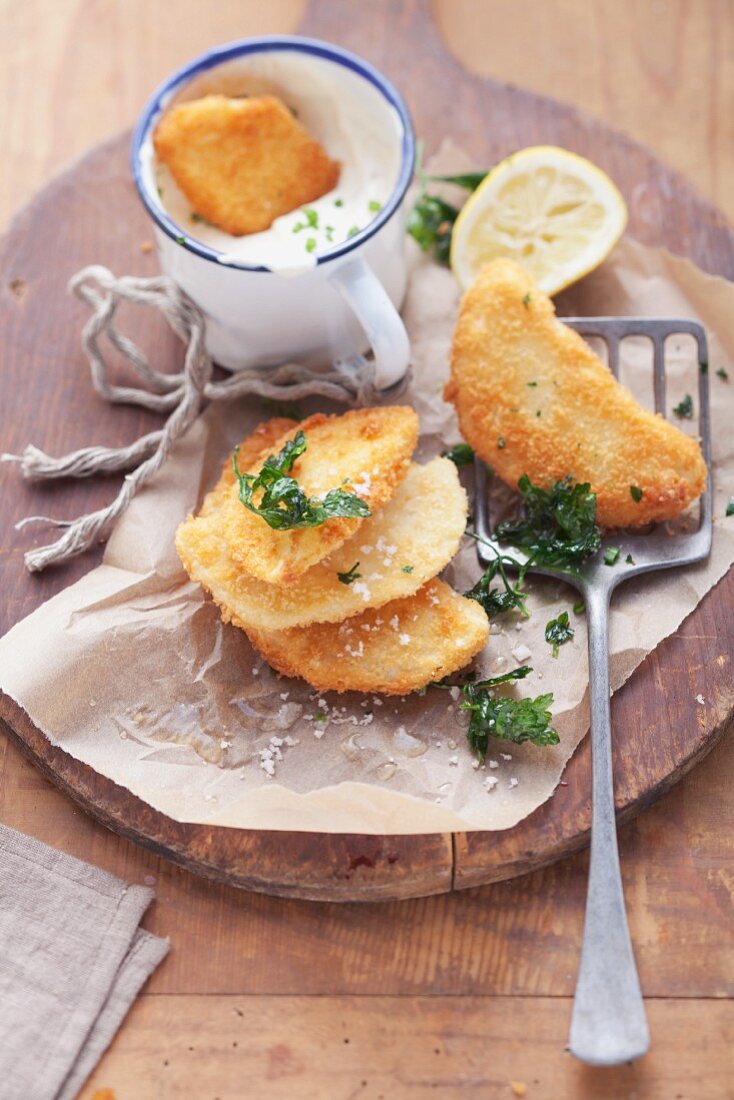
(400,547)
(394,649)
(366,451)
(242,163)
(532,398)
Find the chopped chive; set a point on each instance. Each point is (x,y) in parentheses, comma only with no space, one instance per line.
(351,575)
(531,383)
(684,409)
(611,555)
(374,205)
(338,202)
(353,231)
(180,240)
(730,507)
(579,607)
(310,244)
(723,374)
(526,300)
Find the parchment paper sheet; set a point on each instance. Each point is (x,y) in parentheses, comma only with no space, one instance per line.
(130,670)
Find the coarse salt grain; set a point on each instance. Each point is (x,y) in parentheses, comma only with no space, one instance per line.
(404,639)
(513,783)
(521,653)
(491,782)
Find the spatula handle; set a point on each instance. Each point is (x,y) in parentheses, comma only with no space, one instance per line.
(608,1024)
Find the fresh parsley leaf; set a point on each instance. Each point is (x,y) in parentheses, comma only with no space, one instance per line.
(430,223)
(407,569)
(311,244)
(198,218)
(579,607)
(351,575)
(558,527)
(684,410)
(730,507)
(558,632)
(611,555)
(516,674)
(531,384)
(461,455)
(703,366)
(468,180)
(630,560)
(338,202)
(497,601)
(516,720)
(526,299)
(283,504)
(723,374)
(636,493)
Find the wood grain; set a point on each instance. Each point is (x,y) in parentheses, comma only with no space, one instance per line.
(661,71)
(380,1048)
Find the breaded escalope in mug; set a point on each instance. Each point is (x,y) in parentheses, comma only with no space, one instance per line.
(243,162)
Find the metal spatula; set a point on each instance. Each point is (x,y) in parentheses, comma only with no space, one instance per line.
(608,1025)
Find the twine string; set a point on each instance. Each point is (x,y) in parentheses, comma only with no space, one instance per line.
(181,395)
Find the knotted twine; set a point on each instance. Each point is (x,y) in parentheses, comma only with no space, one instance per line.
(181,394)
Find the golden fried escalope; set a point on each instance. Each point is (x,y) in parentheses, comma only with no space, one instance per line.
(242,163)
(394,649)
(369,447)
(532,398)
(400,547)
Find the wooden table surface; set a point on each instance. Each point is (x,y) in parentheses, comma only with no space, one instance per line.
(460,994)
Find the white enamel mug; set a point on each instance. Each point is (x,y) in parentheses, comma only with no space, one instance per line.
(346,303)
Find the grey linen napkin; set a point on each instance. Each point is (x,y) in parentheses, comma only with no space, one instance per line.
(72,960)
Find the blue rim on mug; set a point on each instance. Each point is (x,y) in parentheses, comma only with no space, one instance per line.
(209,60)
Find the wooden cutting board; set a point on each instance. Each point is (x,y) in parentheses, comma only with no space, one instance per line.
(91,214)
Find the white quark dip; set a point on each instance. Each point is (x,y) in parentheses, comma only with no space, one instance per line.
(341,110)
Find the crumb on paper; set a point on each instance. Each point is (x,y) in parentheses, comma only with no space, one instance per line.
(518,1088)
(146,247)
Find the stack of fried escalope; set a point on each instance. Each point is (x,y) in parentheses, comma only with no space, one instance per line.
(351,603)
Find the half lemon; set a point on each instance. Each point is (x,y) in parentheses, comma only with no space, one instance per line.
(553,211)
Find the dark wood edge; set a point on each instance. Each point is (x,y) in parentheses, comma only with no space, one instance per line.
(533,858)
(312,866)
(360,868)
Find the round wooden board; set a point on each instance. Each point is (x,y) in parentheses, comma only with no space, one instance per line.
(91,215)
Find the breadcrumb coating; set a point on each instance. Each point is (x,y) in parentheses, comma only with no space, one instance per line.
(242,163)
(532,398)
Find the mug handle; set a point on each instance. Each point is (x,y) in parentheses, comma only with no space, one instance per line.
(371,305)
